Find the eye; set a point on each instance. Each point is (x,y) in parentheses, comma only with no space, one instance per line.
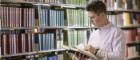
(92,17)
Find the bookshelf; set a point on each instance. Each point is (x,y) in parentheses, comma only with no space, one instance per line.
(36,54)
(123,10)
(124,14)
(134,58)
(55,22)
(36,30)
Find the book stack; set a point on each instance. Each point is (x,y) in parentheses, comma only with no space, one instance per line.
(39,1)
(130,35)
(13,42)
(124,19)
(122,4)
(12,1)
(17,41)
(17,17)
(45,41)
(49,17)
(77,18)
(76,2)
(75,37)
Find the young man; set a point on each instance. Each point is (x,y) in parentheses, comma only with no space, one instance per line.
(107,42)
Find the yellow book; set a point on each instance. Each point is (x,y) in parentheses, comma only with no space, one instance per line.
(126,19)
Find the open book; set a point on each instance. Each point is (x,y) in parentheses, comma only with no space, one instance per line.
(81,51)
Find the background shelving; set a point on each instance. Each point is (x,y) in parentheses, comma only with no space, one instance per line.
(75,25)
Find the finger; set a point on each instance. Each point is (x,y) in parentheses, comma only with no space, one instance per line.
(80,56)
(87,48)
(83,57)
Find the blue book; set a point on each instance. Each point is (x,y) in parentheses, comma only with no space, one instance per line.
(50,20)
(46,17)
(62,18)
(39,15)
(43,17)
(44,41)
(52,40)
(59,18)
(40,42)
(131,18)
(47,47)
(54,17)
(48,41)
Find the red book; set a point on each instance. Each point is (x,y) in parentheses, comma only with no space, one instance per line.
(10,13)
(26,43)
(2,17)
(19,43)
(138,18)
(2,44)
(20,18)
(7,45)
(130,34)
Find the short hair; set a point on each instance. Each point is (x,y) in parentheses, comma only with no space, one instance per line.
(96,6)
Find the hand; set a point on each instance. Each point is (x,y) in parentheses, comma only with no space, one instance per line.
(78,56)
(91,49)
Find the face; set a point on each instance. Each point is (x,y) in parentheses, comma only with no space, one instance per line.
(95,19)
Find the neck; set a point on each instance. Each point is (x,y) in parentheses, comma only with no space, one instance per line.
(105,22)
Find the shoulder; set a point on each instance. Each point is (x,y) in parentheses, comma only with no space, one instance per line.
(116,29)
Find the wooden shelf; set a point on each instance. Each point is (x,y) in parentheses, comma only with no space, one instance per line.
(134,43)
(17,28)
(35,53)
(129,27)
(61,5)
(134,58)
(123,10)
(18,2)
(45,4)
(65,27)
(53,27)
(70,6)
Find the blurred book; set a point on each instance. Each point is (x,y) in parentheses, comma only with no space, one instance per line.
(79,49)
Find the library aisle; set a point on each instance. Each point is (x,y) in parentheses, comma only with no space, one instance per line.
(37,29)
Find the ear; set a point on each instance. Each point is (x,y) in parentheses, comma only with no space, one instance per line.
(102,14)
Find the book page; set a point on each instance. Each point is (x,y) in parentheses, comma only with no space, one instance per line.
(80,49)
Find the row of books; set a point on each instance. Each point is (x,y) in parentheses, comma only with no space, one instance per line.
(17,17)
(49,17)
(78,18)
(133,51)
(122,4)
(132,38)
(45,42)
(75,37)
(25,17)
(132,35)
(124,19)
(76,2)
(40,1)
(15,42)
